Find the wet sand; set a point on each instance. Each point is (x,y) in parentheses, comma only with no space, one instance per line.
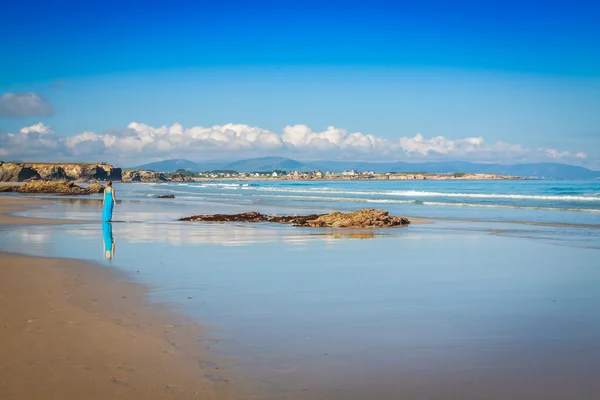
(417,313)
(13,204)
(75,330)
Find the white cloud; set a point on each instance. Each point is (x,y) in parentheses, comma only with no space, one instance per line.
(25,104)
(555,154)
(139,143)
(32,141)
(37,128)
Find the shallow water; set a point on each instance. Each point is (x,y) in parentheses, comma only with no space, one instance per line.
(570,202)
(443,310)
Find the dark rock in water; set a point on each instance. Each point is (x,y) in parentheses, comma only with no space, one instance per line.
(367,218)
(95,188)
(52,187)
(252,216)
(165,196)
(8,188)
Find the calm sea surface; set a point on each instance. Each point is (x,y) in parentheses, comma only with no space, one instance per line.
(470,306)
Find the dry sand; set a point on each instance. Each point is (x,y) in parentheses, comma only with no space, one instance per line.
(75,330)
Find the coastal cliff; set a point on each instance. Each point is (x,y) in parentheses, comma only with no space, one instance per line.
(89,172)
(143,176)
(19,172)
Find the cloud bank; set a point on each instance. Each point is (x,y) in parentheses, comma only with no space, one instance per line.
(138,143)
(25,104)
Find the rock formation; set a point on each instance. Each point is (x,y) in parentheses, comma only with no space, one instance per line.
(367,218)
(165,196)
(8,188)
(180,178)
(51,187)
(143,176)
(20,172)
(95,188)
(11,172)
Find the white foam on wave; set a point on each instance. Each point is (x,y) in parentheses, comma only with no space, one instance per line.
(496,196)
(342,199)
(435,203)
(311,197)
(227,186)
(293,197)
(418,193)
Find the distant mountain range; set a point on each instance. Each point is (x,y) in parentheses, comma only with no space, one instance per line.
(268,164)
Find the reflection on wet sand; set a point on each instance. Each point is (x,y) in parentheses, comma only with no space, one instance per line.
(370,234)
(79,201)
(108,241)
(219,234)
(198,234)
(234,235)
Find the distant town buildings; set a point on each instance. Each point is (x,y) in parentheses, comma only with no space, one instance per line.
(349,174)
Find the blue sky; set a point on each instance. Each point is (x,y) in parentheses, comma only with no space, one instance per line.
(522,74)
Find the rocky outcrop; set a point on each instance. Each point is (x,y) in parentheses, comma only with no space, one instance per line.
(165,196)
(51,187)
(80,172)
(180,178)
(8,188)
(367,218)
(143,176)
(253,216)
(20,172)
(95,188)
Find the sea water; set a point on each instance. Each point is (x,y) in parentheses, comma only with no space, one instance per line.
(570,202)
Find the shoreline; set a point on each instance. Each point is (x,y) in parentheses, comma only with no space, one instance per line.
(81,330)
(30,201)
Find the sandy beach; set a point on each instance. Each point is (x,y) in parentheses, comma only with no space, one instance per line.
(75,330)
(13,204)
